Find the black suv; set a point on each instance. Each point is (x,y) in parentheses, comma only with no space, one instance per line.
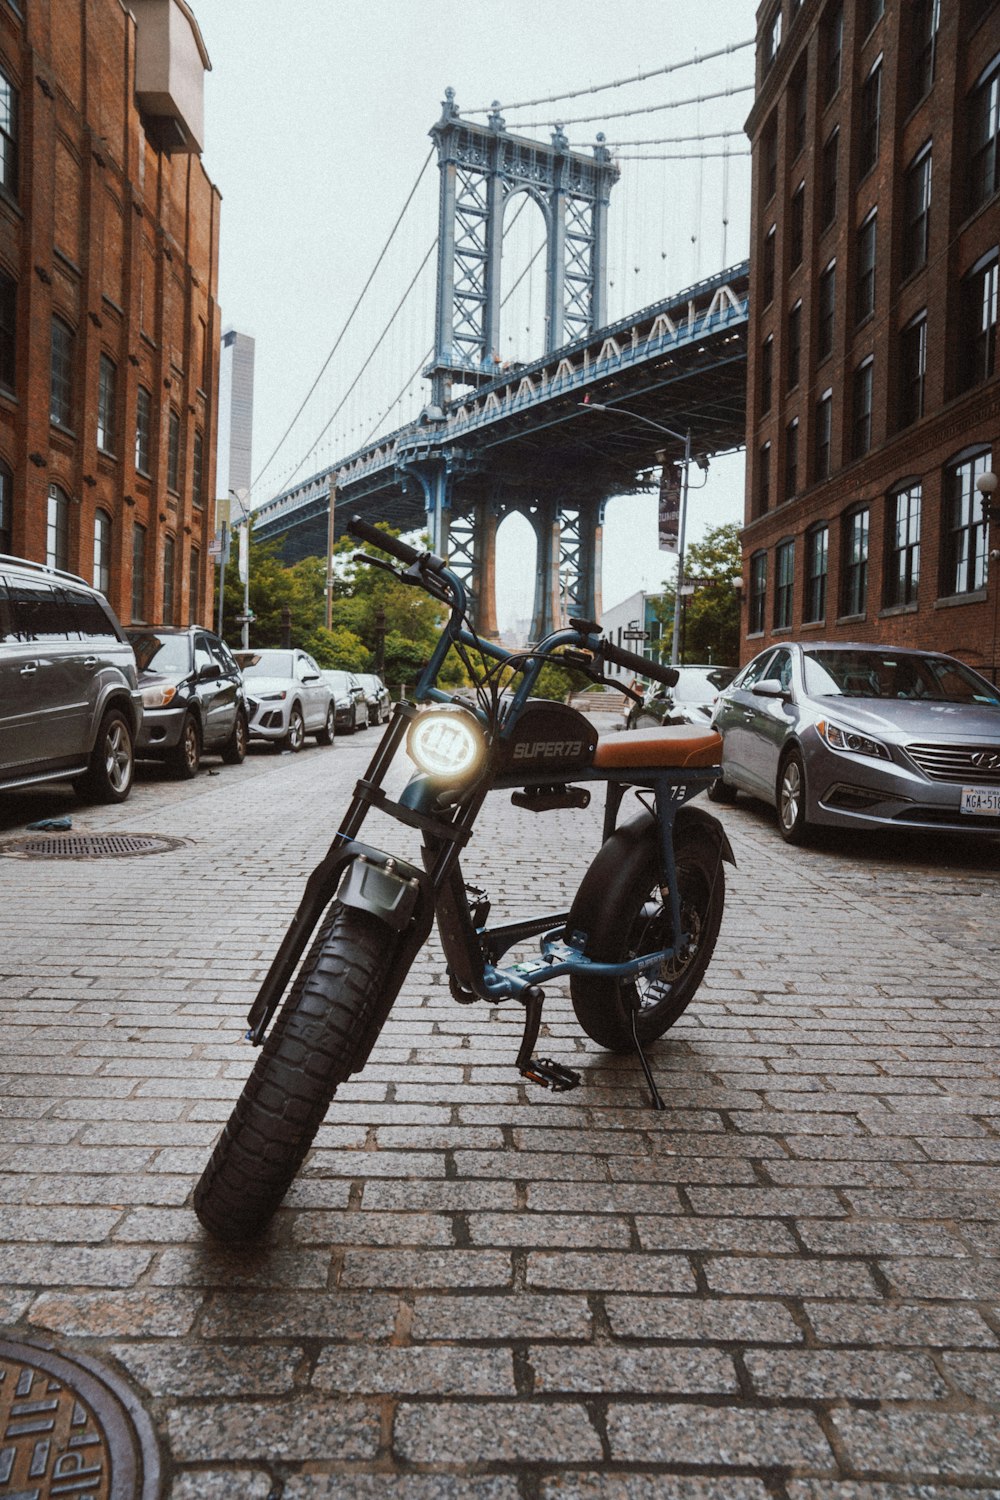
(192,697)
(69,705)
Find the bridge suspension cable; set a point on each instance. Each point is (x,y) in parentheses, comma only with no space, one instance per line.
(681,155)
(645,109)
(617,83)
(676,140)
(350,318)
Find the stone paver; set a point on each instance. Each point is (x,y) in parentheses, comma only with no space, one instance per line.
(785,1287)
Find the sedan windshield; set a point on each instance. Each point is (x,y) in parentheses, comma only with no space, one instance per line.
(892,674)
(170,655)
(269,664)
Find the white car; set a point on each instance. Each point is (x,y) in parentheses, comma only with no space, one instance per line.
(287,697)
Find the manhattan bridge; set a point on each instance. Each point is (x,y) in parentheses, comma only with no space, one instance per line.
(498,436)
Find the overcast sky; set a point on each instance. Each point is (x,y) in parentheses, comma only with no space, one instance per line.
(317,116)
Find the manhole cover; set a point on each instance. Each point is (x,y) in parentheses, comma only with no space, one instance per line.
(90,845)
(70,1427)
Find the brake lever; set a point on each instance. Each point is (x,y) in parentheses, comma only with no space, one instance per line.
(376,562)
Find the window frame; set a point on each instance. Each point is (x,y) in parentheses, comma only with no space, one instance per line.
(107,404)
(826,307)
(174,451)
(965,547)
(817,550)
(983,115)
(833,49)
(768,266)
(830,177)
(866,255)
(143,431)
(797,227)
(854,573)
(61,383)
(862,406)
(764,479)
(791,474)
(913,371)
(925,23)
(168,591)
(10,135)
(823,437)
(103,532)
(757,602)
(980,290)
(917,190)
(8,332)
(6,507)
(784,583)
(902,544)
(139,538)
(870,119)
(793,363)
(57,528)
(766,374)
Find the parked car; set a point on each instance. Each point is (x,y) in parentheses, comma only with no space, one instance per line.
(192,697)
(690,701)
(287,697)
(70,707)
(350,701)
(861,736)
(376,695)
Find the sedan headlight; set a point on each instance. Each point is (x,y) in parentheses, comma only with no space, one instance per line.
(159,697)
(273,697)
(446,741)
(851,740)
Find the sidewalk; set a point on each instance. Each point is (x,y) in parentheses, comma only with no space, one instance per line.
(786,1287)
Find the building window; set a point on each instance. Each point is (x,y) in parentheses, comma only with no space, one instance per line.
(965,536)
(57,528)
(198,467)
(979,321)
(766,373)
(168,580)
(107,394)
(6,507)
(772,37)
(758,593)
(138,572)
(871,111)
(767,267)
(798,110)
(769,148)
(797,226)
(794,344)
(855,585)
(926,16)
(102,552)
(764,480)
(8,332)
(828,195)
(864,301)
(833,49)
(824,435)
(902,571)
(194,606)
(912,369)
(61,406)
(792,459)
(143,428)
(984,136)
(784,578)
(817,552)
(873,13)
(917,212)
(173,451)
(8,135)
(862,408)
(826,302)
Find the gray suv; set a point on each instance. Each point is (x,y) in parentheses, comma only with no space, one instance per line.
(70,706)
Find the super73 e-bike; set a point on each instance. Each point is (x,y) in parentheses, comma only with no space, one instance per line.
(634,944)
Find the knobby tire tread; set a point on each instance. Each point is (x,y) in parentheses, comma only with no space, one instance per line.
(322,1034)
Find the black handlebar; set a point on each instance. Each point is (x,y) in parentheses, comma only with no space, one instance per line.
(641,665)
(391,544)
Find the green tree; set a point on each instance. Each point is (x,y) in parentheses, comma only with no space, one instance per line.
(710,620)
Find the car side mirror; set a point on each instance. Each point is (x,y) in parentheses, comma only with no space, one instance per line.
(770,687)
(211,673)
(310,677)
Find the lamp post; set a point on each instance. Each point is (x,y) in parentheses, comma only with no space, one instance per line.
(241,496)
(987,484)
(681,437)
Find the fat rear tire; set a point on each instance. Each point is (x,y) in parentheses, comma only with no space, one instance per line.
(633,918)
(112,761)
(323,1033)
(235,749)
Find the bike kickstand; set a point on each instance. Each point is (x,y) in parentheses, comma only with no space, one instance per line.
(655,1099)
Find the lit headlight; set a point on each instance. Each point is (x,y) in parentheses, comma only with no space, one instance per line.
(849,739)
(158,697)
(446,741)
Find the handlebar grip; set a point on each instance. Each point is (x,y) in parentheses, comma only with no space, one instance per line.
(641,664)
(391,544)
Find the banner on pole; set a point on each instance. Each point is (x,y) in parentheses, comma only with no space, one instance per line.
(670,507)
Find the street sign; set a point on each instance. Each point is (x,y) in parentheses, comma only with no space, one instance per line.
(635,635)
(246,619)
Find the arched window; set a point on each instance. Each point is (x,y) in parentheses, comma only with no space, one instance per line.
(143,428)
(102,552)
(57,529)
(965,527)
(107,401)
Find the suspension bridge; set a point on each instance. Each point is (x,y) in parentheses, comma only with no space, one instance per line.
(497,435)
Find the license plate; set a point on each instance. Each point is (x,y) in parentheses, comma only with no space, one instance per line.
(981,800)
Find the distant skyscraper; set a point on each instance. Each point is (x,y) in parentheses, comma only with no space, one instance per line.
(235,411)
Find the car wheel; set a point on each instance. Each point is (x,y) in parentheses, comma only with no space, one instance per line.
(185,757)
(792,824)
(112,763)
(721,791)
(324,736)
(295,738)
(235,749)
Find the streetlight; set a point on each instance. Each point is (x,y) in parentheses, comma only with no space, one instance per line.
(241,496)
(681,437)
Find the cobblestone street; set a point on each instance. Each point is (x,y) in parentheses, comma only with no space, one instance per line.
(786,1287)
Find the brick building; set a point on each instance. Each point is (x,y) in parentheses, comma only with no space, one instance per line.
(109,329)
(873,389)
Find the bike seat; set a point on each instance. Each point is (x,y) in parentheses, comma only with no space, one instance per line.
(681,745)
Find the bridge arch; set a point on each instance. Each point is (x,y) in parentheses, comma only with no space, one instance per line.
(526,236)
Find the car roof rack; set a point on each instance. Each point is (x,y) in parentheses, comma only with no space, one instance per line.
(26,562)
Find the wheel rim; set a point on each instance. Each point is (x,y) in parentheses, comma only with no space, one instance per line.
(191,745)
(329,724)
(118,758)
(296,731)
(653,929)
(791,795)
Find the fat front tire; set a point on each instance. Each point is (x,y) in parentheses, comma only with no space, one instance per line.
(185,757)
(324,736)
(235,749)
(112,761)
(296,736)
(323,1033)
(635,919)
(791,800)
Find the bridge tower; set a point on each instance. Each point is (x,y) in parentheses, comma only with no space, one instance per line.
(482,169)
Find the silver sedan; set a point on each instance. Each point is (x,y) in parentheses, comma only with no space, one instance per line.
(855,736)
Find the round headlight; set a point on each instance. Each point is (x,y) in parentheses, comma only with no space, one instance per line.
(446,742)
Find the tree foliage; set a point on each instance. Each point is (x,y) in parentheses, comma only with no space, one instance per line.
(710,619)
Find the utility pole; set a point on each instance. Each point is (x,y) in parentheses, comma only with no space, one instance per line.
(329,553)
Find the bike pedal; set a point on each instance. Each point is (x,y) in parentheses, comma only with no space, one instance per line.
(551,1075)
